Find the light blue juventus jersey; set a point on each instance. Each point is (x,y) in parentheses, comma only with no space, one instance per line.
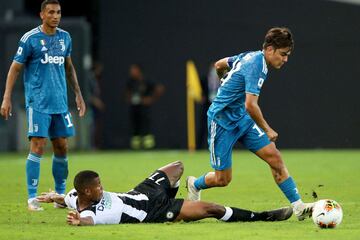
(247,74)
(43,57)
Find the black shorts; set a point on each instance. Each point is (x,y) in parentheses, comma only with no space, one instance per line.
(160,207)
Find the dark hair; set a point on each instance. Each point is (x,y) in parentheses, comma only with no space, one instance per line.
(46,2)
(137,65)
(84,179)
(279,37)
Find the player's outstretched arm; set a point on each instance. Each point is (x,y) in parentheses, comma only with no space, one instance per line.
(51,196)
(74,218)
(74,84)
(13,74)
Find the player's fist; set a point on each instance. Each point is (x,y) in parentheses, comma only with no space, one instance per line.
(6,108)
(272,135)
(73,218)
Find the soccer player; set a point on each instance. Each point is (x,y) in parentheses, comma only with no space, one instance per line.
(153,200)
(45,54)
(235,116)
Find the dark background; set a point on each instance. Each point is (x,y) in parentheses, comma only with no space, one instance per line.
(311,102)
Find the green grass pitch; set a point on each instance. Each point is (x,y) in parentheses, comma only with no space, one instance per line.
(330,173)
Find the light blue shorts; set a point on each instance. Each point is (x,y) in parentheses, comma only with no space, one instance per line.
(221,141)
(49,125)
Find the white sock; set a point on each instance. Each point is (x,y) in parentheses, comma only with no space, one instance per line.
(297,204)
(227,215)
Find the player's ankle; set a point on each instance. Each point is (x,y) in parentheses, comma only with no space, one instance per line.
(297,204)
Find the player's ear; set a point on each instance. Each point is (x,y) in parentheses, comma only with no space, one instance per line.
(41,15)
(270,49)
(87,191)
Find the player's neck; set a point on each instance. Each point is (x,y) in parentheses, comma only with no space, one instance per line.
(83,203)
(48,30)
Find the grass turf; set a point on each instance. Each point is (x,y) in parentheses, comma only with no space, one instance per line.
(331,174)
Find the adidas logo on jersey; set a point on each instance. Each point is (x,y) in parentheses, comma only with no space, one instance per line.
(53,59)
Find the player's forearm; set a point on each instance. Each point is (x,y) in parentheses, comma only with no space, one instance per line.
(86,221)
(82,221)
(10,82)
(59,199)
(72,80)
(256,114)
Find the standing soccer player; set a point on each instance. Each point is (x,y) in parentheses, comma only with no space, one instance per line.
(236,116)
(45,52)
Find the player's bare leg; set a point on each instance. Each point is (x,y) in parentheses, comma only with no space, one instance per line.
(60,146)
(272,156)
(196,210)
(219,178)
(60,165)
(37,148)
(211,179)
(174,172)
(37,145)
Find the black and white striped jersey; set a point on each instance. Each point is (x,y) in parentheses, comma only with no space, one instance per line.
(151,201)
(113,207)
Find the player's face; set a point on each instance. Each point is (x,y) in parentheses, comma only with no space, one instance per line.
(277,57)
(96,190)
(135,72)
(51,15)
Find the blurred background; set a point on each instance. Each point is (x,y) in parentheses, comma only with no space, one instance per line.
(311,102)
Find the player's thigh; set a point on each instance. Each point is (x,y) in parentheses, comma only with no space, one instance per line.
(271,155)
(38,123)
(155,185)
(221,143)
(255,138)
(61,125)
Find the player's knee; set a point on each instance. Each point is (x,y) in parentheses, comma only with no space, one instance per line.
(61,148)
(38,146)
(179,166)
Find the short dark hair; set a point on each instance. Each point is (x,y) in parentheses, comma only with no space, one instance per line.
(279,37)
(84,179)
(46,2)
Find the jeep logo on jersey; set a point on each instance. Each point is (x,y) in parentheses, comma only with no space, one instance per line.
(53,59)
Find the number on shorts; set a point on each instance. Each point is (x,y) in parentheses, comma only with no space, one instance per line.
(258,130)
(158,180)
(68,118)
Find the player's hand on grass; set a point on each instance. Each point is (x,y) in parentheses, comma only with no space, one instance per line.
(51,196)
(47,197)
(80,104)
(272,135)
(73,218)
(6,108)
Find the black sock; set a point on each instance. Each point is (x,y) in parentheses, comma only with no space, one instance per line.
(242,215)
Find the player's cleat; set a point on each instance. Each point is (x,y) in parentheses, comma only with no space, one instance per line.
(280,214)
(34,205)
(193,193)
(304,210)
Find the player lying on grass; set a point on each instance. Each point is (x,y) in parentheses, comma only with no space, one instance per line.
(151,201)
